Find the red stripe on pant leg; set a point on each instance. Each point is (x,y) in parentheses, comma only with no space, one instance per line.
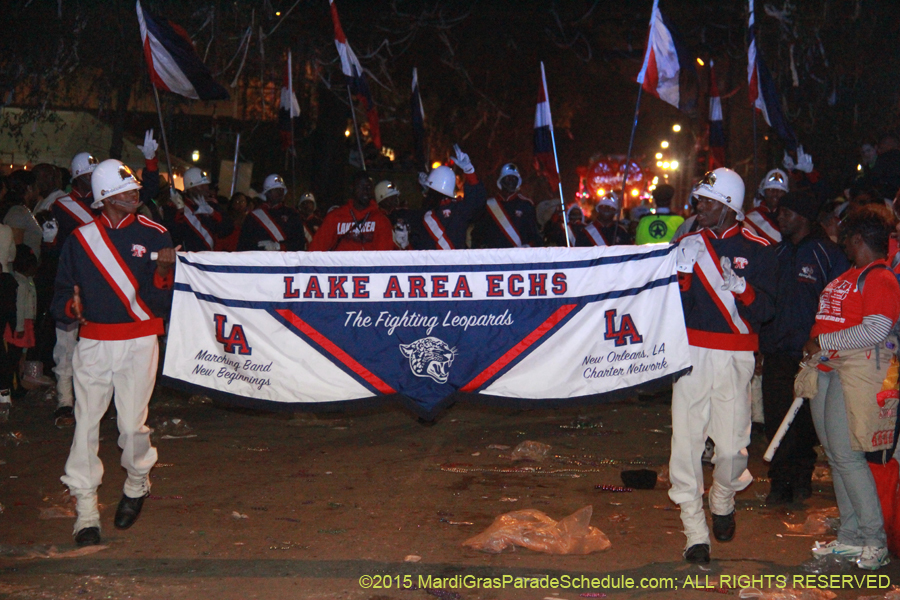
(519,348)
(339,354)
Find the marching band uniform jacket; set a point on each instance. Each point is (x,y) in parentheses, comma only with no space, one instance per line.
(268,223)
(444,227)
(507,223)
(71,212)
(707,321)
(87,261)
(200,232)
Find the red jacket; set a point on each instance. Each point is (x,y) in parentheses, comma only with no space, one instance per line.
(347,228)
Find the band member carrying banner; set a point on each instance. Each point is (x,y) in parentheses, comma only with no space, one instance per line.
(727,280)
(109,282)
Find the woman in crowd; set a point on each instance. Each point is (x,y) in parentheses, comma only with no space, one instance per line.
(852,416)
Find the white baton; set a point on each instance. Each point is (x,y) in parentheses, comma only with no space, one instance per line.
(782,429)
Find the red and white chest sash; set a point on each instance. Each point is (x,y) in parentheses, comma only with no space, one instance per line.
(266,221)
(198,227)
(108,261)
(764,226)
(75,209)
(710,271)
(437,232)
(594,234)
(502,220)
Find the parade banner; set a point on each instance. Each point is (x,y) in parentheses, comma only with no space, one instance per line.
(271,329)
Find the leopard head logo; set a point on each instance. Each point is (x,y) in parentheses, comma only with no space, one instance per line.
(429,357)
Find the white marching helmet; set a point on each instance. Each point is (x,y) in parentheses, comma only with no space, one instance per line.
(776,179)
(194,177)
(442,180)
(384,190)
(510,169)
(111,177)
(725,186)
(308,197)
(82,164)
(273,182)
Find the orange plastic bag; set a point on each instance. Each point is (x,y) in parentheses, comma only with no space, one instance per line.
(536,531)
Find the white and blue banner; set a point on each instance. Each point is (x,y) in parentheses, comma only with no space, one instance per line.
(533,324)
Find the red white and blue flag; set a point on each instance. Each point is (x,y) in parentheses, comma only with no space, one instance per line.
(665,63)
(763,95)
(288,107)
(357,80)
(716,130)
(544,161)
(172,61)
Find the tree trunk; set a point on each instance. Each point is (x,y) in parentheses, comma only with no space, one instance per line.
(123,97)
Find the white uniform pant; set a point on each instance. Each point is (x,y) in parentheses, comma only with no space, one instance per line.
(63,352)
(713,401)
(128,368)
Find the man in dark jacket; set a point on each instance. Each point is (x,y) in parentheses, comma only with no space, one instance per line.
(807,262)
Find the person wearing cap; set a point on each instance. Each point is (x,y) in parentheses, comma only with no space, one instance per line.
(394,207)
(661,225)
(199,223)
(509,219)
(807,262)
(115,279)
(727,279)
(311,221)
(357,225)
(604,229)
(272,225)
(762,220)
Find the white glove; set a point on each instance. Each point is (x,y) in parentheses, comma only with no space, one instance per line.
(203,207)
(462,161)
(804,161)
(733,282)
(788,162)
(150,146)
(689,250)
(177,200)
(269,245)
(49,230)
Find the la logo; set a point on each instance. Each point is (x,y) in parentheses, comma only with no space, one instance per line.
(235,341)
(625,331)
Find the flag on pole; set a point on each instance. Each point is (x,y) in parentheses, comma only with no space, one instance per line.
(716,131)
(763,95)
(544,162)
(357,80)
(666,61)
(288,107)
(418,123)
(172,61)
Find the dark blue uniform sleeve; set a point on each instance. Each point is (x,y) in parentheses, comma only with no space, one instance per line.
(66,279)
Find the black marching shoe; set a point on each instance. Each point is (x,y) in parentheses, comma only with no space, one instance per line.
(698,553)
(128,511)
(723,527)
(89,536)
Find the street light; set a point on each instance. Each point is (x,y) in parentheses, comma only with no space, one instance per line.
(664,144)
(195,155)
(673,165)
(676,127)
(700,61)
(658,155)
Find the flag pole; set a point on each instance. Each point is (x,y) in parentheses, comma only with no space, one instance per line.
(562,202)
(755,144)
(291,120)
(637,110)
(362,158)
(162,128)
(237,145)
